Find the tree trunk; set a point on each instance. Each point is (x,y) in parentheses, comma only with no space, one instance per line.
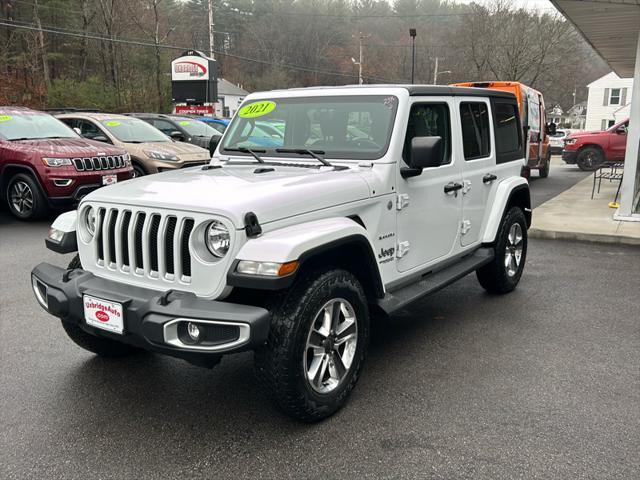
(41,47)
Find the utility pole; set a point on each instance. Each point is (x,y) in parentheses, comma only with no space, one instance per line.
(436,73)
(412,33)
(359,62)
(211,29)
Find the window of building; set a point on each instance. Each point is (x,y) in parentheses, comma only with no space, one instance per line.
(605,124)
(476,132)
(429,120)
(614,96)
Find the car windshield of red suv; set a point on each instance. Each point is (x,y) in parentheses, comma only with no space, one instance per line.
(132,130)
(33,126)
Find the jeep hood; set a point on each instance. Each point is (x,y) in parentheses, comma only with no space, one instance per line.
(232,191)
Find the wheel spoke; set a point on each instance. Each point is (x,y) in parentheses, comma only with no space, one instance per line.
(325,328)
(507,259)
(346,336)
(319,376)
(513,266)
(336,309)
(316,338)
(337,368)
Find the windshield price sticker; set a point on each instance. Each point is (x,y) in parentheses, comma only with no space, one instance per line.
(185,122)
(5,118)
(113,123)
(257,109)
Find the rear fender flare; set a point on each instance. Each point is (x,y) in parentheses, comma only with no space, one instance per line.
(508,191)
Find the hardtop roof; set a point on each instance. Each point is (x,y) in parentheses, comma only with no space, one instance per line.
(418,90)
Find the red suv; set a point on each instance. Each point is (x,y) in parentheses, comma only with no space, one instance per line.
(590,149)
(45,164)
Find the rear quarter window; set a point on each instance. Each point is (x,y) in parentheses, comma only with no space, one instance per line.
(508,131)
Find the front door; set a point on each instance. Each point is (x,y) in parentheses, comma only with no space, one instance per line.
(429,205)
(618,142)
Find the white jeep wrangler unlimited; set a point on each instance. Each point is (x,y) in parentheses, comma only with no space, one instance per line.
(320,207)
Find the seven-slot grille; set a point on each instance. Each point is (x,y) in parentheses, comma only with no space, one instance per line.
(106,162)
(150,244)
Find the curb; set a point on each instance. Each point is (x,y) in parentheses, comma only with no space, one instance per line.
(583,237)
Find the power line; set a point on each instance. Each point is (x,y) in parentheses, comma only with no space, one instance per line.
(92,36)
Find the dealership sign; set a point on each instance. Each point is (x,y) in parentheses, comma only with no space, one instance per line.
(190,68)
(194,79)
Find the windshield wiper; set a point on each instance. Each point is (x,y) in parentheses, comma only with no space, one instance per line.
(302,151)
(249,151)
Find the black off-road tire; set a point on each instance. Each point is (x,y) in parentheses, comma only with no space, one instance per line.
(494,277)
(104,347)
(280,363)
(544,170)
(39,208)
(589,159)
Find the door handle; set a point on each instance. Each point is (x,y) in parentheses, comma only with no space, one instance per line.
(452,187)
(488,178)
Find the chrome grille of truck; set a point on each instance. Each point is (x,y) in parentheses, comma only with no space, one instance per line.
(108,162)
(139,243)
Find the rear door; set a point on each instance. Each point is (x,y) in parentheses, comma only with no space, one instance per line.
(478,165)
(493,151)
(618,142)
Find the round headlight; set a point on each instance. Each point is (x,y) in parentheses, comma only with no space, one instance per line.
(217,239)
(90,219)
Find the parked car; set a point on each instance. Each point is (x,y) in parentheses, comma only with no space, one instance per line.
(183,129)
(590,149)
(534,121)
(44,164)
(220,124)
(151,150)
(287,250)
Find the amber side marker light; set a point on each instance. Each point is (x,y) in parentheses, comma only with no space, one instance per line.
(269,269)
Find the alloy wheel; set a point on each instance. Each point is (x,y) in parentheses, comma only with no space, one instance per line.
(331,345)
(21,197)
(513,250)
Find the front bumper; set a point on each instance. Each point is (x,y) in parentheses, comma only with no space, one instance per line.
(150,317)
(569,156)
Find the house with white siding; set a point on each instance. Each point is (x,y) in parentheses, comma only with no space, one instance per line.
(609,101)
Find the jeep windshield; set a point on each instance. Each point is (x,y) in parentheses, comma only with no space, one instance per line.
(33,127)
(349,128)
(133,130)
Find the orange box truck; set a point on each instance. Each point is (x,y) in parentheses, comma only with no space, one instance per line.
(534,122)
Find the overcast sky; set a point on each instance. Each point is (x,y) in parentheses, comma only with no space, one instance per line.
(536,4)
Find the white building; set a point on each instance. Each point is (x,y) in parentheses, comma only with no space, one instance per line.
(230,97)
(609,101)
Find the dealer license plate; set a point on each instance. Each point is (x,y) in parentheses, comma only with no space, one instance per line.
(109,179)
(103,314)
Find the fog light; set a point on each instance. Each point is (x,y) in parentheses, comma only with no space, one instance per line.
(194,331)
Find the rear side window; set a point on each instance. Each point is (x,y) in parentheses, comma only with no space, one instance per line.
(476,134)
(507,131)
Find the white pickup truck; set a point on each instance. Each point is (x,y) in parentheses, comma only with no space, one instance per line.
(320,208)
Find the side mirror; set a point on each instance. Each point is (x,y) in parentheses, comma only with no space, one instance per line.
(177,136)
(77,130)
(551,128)
(622,130)
(426,152)
(101,138)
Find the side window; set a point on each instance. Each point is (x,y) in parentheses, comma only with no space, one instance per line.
(508,134)
(476,132)
(164,126)
(429,120)
(88,129)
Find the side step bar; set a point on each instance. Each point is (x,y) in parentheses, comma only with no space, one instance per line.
(431,282)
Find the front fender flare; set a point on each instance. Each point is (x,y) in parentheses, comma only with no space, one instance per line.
(302,242)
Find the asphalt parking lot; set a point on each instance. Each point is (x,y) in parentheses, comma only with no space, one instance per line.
(542,383)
